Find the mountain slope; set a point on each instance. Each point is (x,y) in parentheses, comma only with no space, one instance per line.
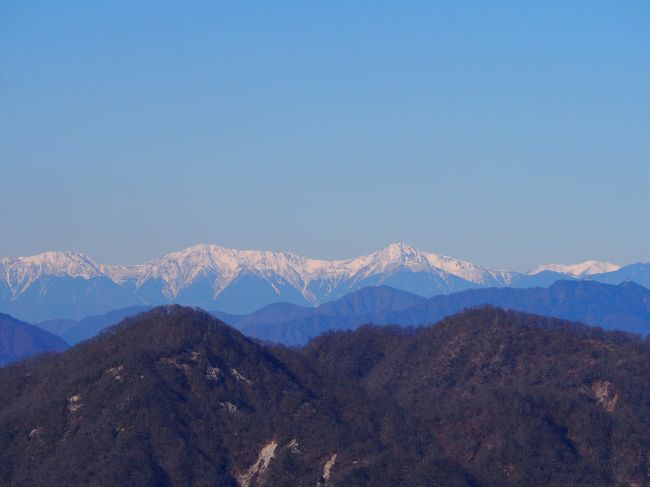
(19,340)
(174,397)
(514,399)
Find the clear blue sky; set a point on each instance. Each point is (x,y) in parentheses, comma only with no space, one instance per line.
(506,133)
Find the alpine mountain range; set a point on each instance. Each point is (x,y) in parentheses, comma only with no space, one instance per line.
(71,285)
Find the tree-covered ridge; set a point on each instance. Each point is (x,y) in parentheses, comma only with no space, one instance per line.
(486,397)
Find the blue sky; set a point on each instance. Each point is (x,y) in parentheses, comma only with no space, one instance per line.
(506,133)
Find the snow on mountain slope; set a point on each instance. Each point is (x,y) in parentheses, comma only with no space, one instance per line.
(220,266)
(239,281)
(20,272)
(587,268)
(223,265)
(401,255)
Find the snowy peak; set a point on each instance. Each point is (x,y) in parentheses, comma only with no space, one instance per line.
(20,272)
(400,252)
(218,265)
(587,268)
(394,255)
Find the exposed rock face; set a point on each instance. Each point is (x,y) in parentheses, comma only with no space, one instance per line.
(213,374)
(327,468)
(604,394)
(267,453)
(74,403)
(235,373)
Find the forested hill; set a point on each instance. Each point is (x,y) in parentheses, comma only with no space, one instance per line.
(486,397)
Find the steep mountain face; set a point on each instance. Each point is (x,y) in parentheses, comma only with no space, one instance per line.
(67,285)
(20,272)
(174,397)
(624,307)
(20,340)
(59,285)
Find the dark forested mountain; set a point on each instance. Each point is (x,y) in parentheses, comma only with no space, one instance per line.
(624,307)
(174,397)
(514,399)
(19,340)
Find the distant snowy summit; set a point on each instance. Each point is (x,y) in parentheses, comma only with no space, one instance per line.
(587,268)
(72,285)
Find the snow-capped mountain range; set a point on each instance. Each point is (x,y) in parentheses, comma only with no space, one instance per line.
(72,285)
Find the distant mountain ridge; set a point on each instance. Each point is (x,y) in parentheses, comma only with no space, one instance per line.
(76,331)
(587,268)
(69,285)
(624,307)
(20,340)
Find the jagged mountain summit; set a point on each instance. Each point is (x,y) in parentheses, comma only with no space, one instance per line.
(19,273)
(69,285)
(218,267)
